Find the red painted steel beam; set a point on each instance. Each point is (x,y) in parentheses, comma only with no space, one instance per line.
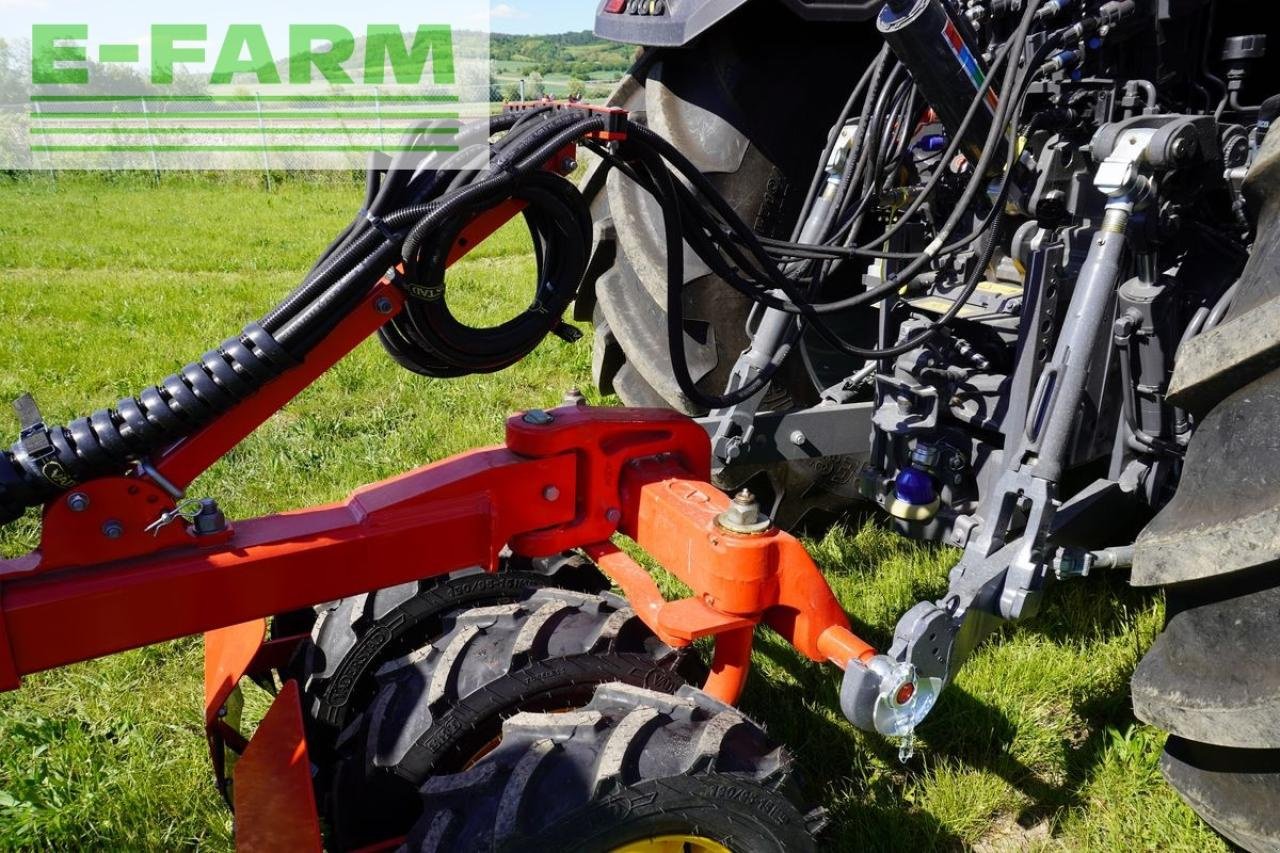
(557,485)
(438,519)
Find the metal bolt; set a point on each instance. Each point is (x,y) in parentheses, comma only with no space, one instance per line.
(78,502)
(613,516)
(743,516)
(209,519)
(569,165)
(799,439)
(575,397)
(383,305)
(113,529)
(551,494)
(1182,148)
(537,417)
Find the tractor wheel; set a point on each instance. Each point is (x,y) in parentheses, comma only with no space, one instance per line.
(351,638)
(441,708)
(633,770)
(739,120)
(1212,679)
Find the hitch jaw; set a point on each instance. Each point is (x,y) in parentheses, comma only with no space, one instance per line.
(887,696)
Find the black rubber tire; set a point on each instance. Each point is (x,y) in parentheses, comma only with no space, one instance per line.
(631,765)
(739,121)
(1212,678)
(351,638)
(439,707)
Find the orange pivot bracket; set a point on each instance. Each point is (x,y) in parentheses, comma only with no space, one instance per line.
(739,580)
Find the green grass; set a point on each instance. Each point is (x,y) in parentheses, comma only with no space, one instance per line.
(107,285)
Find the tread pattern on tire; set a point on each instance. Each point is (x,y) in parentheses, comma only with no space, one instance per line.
(481,646)
(352,637)
(443,704)
(1211,678)
(631,761)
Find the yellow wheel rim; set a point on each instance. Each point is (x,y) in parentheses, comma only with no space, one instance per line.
(673,844)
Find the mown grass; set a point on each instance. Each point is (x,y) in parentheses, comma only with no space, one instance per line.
(106,286)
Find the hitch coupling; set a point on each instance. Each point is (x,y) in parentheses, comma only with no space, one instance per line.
(887,696)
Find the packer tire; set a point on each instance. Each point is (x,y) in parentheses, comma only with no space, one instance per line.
(630,766)
(440,707)
(351,638)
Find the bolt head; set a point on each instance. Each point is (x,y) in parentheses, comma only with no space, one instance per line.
(613,516)
(538,417)
(383,305)
(78,502)
(551,494)
(569,164)
(799,439)
(113,529)
(743,516)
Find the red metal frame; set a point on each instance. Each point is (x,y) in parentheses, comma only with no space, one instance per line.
(572,482)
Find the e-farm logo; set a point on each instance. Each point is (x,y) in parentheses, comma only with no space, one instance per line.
(245,95)
(60,54)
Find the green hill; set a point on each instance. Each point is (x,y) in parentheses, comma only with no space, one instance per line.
(550,62)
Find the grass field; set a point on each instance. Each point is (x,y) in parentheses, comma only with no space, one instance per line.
(107,286)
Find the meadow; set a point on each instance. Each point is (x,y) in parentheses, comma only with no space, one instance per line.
(108,284)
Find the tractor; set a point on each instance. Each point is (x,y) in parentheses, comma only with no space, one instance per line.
(1001,272)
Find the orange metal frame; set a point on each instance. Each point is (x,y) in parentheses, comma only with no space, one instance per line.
(572,483)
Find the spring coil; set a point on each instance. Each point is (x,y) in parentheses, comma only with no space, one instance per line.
(47,461)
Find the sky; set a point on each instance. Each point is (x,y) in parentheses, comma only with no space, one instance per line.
(542,16)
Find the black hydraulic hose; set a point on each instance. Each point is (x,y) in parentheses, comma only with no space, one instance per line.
(794,301)
(674,232)
(976,183)
(428,339)
(665,189)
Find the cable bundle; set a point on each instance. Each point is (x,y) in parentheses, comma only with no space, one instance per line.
(787,275)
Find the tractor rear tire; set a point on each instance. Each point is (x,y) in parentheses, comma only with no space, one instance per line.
(739,120)
(351,638)
(1212,679)
(631,768)
(441,707)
